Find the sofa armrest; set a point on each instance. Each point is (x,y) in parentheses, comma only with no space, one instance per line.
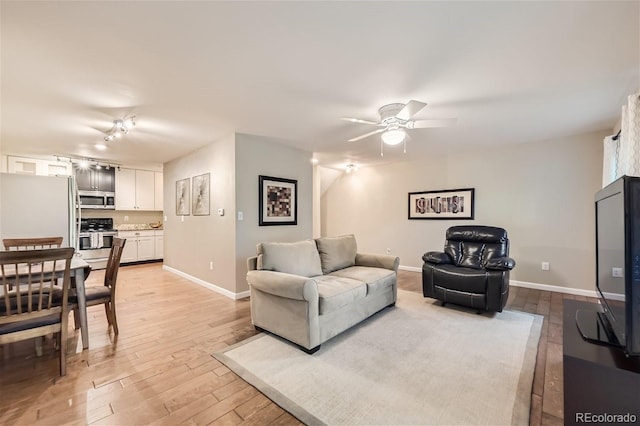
(284,285)
(378,261)
(437,257)
(252,263)
(501,264)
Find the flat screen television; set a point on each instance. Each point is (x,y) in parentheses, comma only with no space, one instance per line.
(617,268)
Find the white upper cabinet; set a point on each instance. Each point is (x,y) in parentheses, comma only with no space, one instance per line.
(135,190)
(35,166)
(145,190)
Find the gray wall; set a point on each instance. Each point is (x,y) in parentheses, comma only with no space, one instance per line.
(190,245)
(542,193)
(234,163)
(256,155)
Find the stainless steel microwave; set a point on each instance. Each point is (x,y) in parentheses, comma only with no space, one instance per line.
(97,200)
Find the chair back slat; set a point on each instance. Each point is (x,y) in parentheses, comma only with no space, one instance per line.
(32,243)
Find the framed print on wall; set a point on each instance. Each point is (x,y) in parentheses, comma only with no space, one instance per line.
(200,196)
(182,197)
(277,201)
(447,204)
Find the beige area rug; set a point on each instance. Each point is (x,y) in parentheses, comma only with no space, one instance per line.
(416,363)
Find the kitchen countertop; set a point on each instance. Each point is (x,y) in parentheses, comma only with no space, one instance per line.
(136,227)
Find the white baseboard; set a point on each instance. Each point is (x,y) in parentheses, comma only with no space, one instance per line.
(525,284)
(208,285)
(556,288)
(410,268)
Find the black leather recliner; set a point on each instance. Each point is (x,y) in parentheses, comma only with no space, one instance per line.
(472,271)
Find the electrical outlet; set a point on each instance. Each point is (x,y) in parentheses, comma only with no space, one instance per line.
(126,218)
(617,272)
(240,216)
(211,265)
(545,266)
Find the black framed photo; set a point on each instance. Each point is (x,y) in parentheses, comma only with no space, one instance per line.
(278,201)
(447,204)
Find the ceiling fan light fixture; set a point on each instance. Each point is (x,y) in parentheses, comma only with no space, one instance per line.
(394,136)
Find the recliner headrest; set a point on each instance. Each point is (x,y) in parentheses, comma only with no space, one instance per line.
(484,234)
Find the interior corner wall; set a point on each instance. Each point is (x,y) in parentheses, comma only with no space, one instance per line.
(192,242)
(255,156)
(541,192)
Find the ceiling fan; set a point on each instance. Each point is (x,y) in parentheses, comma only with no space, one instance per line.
(395,120)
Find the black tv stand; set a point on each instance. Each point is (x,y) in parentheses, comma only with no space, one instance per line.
(598,379)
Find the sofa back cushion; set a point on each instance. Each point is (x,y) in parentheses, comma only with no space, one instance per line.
(337,252)
(299,258)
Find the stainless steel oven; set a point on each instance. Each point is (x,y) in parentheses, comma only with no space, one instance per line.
(97,199)
(95,241)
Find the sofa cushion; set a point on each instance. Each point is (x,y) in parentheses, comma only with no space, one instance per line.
(377,279)
(337,252)
(299,258)
(337,292)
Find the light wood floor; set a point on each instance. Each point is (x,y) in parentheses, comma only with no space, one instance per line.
(160,369)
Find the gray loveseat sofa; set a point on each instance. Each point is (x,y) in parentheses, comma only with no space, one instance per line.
(309,291)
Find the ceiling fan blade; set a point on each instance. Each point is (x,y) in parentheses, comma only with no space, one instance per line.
(425,124)
(410,109)
(358,120)
(366,135)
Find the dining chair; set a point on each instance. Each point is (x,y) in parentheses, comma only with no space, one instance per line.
(32,243)
(106,294)
(32,301)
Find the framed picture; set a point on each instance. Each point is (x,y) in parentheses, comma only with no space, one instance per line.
(200,195)
(448,204)
(278,201)
(182,197)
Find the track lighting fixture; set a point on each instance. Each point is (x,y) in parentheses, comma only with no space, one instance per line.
(120,127)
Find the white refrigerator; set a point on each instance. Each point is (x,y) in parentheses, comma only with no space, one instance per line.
(38,206)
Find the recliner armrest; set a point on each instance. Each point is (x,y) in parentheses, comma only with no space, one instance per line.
(500,264)
(437,257)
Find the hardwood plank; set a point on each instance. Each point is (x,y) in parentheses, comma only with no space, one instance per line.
(223,407)
(553,396)
(535,416)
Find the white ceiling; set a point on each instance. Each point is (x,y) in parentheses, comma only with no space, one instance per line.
(193,72)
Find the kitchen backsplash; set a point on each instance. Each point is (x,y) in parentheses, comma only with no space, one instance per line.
(118,216)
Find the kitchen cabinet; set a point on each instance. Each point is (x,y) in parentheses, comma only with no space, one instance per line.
(159,244)
(140,246)
(36,166)
(135,189)
(93,178)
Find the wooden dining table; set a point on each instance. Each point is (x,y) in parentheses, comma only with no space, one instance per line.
(79,269)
